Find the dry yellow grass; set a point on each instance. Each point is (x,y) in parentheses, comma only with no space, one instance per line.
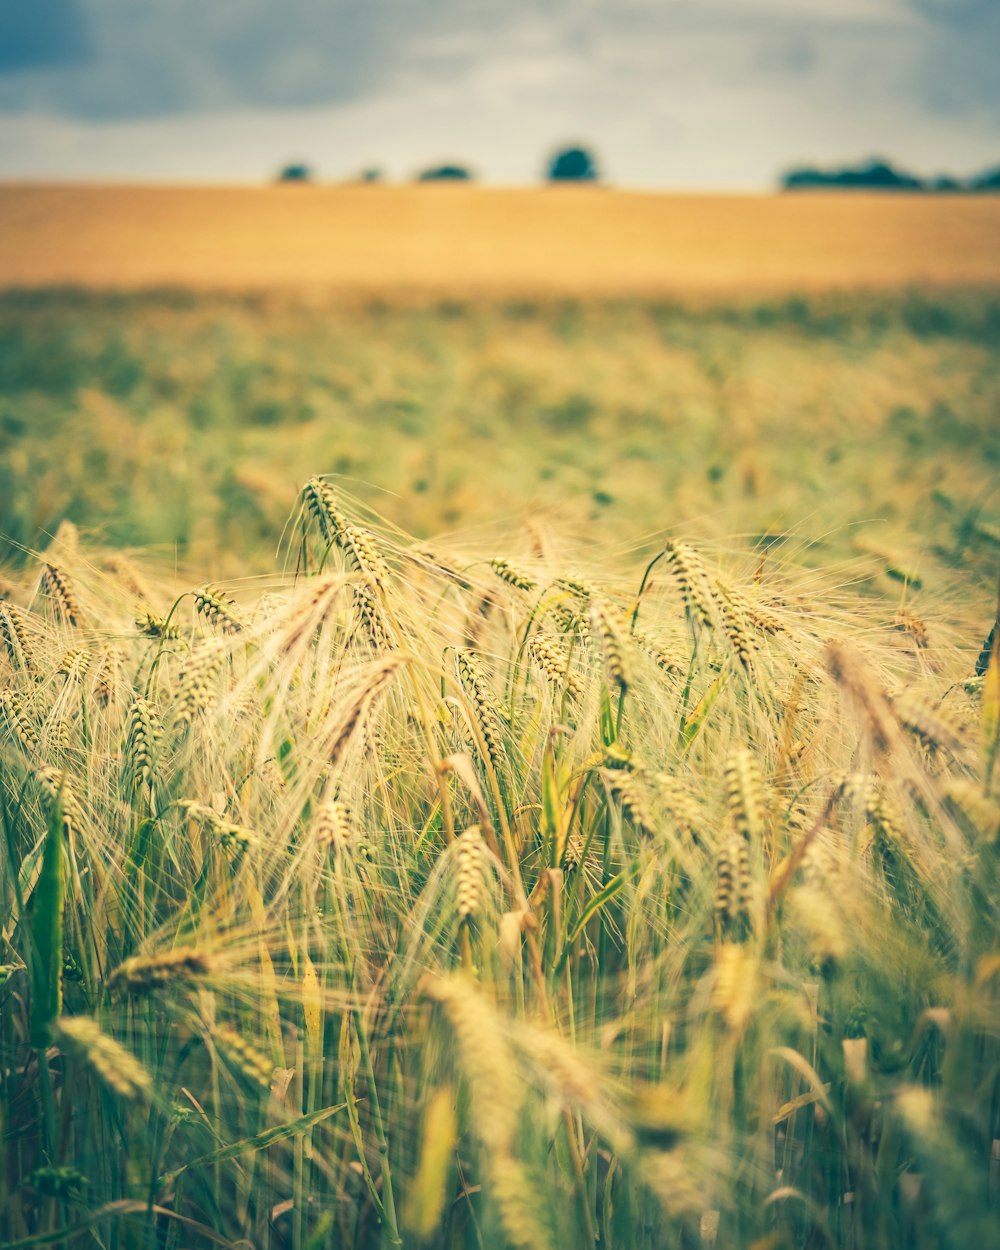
(469,240)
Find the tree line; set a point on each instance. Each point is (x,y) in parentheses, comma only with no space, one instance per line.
(566,164)
(877,174)
(579,164)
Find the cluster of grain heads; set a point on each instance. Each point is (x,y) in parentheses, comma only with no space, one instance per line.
(359,545)
(573,852)
(883,817)
(65,541)
(735,984)
(682,807)
(65,1184)
(623,856)
(569,620)
(578,586)
(128,575)
(818,910)
(354,709)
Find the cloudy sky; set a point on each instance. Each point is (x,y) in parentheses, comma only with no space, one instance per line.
(669,93)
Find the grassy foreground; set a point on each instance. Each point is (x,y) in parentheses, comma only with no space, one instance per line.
(433,894)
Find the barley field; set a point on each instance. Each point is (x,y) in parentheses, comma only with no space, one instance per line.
(408,242)
(501,771)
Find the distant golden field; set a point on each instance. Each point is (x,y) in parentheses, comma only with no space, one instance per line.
(469,240)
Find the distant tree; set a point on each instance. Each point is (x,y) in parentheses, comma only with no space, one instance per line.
(296,172)
(572,165)
(445,173)
(371,174)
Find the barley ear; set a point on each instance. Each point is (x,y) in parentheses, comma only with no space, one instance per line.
(116,1068)
(57,585)
(321,503)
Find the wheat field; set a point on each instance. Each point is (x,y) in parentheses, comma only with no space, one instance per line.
(413,241)
(498,772)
